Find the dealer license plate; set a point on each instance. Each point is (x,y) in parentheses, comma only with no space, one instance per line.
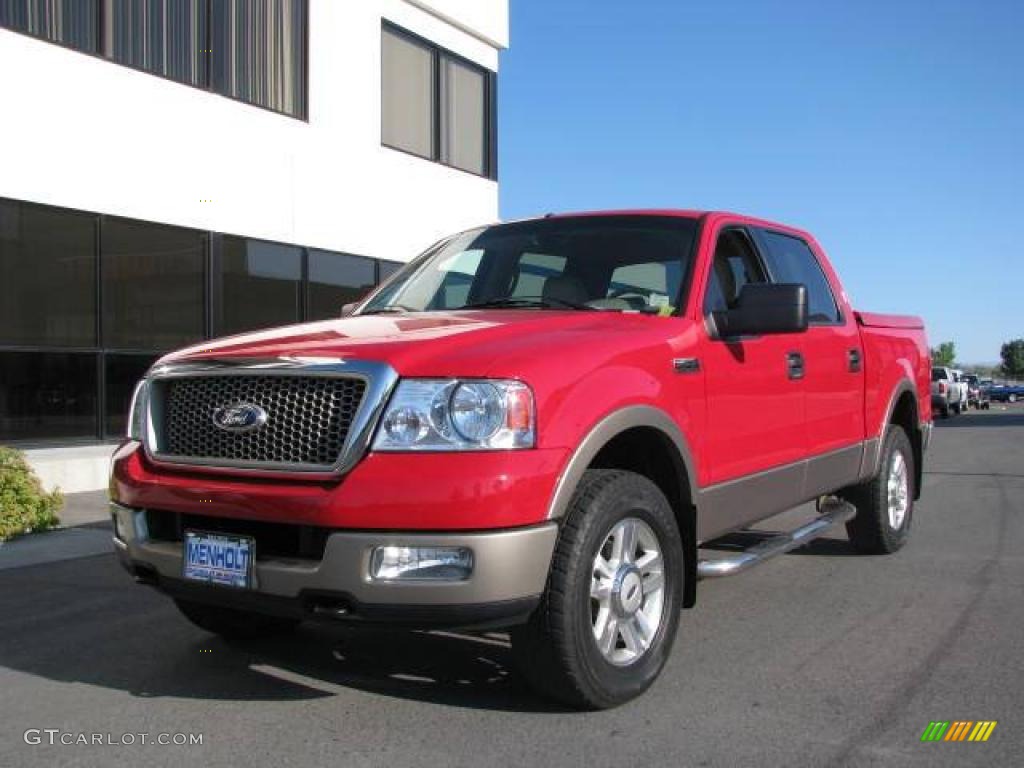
(218,558)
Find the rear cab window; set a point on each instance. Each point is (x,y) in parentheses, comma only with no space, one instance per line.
(533,272)
(652,283)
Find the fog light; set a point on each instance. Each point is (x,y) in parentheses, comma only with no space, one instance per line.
(425,563)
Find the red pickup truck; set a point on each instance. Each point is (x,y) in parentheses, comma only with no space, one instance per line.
(542,425)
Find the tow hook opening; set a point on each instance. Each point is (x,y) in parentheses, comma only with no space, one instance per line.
(330,607)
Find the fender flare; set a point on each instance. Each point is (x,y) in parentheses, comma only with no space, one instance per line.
(873,445)
(601,434)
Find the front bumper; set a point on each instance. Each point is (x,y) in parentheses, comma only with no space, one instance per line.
(510,569)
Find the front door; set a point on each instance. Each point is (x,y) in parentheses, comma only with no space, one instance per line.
(755,437)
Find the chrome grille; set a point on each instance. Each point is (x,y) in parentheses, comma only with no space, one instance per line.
(308,419)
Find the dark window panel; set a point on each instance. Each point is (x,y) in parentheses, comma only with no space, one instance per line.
(407,94)
(167,37)
(492,125)
(259,52)
(261,284)
(463,121)
(153,285)
(122,374)
(47,395)
(791,260)
(336,279)
(69,22)
(386,269)
(47,276)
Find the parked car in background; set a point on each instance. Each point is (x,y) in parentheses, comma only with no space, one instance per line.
(945,392)
(961,383)
(1007,393)
(977,395)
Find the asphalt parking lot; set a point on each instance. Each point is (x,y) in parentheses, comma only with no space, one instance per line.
(821,657)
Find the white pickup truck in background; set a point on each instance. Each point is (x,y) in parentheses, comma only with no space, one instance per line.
(964,388)
(949,395)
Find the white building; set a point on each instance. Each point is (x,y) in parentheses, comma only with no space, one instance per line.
(173,170)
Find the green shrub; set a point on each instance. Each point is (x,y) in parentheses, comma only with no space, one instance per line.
(24,505)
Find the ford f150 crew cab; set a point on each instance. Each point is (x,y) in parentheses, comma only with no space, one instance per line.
(538,425)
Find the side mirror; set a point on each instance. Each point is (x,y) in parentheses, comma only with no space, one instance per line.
(348,309)
(765,308)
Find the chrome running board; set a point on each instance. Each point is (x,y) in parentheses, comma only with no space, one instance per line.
(832,512)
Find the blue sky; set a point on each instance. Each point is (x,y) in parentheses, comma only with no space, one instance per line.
(894,131)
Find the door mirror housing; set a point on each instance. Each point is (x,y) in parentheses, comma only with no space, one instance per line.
(348,309)
(764,308)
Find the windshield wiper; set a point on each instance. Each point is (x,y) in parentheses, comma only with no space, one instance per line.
(528,301)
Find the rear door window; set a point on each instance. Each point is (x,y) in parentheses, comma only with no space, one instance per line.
(791,260)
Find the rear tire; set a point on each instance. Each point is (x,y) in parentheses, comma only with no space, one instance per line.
(234,624)
(885,504)
(609,615)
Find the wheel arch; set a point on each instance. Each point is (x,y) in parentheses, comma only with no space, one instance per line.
(903,411)
(646,440)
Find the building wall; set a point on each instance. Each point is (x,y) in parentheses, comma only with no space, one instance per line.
(82,132)
(107,143)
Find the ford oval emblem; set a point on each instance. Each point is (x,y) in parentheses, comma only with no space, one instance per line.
(241,417)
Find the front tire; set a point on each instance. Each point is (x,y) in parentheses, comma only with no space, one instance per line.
(609,615)
(885,504)
(233,624)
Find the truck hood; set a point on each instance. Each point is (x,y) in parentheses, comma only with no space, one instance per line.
(459,343)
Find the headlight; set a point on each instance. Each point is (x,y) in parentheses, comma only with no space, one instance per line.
(138,410)
(454,415)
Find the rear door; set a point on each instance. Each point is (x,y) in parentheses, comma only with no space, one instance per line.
(833,364)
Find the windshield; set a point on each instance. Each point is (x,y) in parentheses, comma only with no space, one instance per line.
(622,263)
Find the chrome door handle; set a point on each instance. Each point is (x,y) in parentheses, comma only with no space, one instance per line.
(686,365)
(853,358)
(795,365)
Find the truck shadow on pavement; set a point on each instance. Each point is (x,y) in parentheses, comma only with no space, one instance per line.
(453,668)
(84,621)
